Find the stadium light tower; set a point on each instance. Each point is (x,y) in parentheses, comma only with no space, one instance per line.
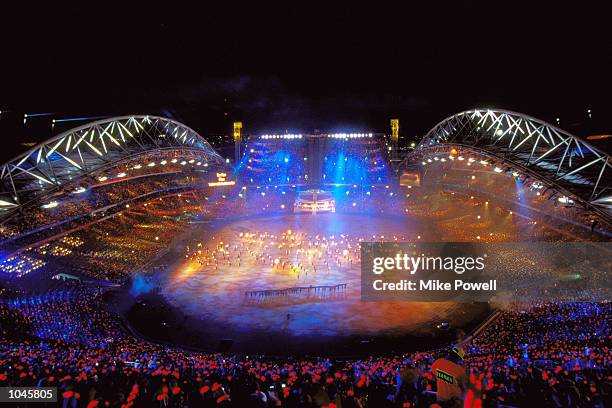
(394,139)
(237,141)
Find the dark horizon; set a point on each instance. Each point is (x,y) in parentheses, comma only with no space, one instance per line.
(302,69)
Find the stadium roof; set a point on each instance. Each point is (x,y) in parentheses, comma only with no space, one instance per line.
(82,150)
(550,154)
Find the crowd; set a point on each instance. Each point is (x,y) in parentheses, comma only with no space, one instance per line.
(274,162)
(361,161)
(552,354)
(110,249)
(71,205)
(124,181)
(543,355)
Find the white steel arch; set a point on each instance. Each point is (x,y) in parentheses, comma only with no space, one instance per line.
(557,157)
(84,149)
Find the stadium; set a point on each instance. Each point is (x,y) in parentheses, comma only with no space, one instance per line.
(141,268)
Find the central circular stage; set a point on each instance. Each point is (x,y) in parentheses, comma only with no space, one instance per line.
(291,281)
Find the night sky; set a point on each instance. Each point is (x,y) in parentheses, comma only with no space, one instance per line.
(298,67)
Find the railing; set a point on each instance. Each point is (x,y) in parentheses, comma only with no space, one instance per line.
(300,291)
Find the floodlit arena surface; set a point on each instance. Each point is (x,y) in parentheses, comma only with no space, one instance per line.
(289,251)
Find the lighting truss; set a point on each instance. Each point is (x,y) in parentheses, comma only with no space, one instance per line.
(83,150)
(553,155)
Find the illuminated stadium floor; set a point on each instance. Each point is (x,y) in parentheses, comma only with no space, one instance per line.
(216,292)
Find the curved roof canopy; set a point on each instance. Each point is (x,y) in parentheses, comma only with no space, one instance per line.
(82,150)
(553,155)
